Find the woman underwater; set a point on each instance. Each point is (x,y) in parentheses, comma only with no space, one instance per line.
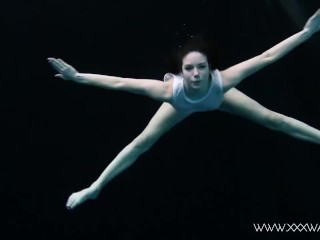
(198,87)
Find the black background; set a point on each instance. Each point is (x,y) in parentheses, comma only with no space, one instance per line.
(211,177)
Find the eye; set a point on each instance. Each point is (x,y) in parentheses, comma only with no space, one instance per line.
(188,68)
(202,67)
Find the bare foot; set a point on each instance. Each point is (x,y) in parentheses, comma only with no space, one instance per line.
(78,198)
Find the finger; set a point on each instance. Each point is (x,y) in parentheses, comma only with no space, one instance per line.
(56,65)
(69,207)
(69,202)
(59,76)
(59,63)
(53,60)
(64,64)
(72,205)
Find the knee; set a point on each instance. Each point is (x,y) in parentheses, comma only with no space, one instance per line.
(144,141)
(276,121)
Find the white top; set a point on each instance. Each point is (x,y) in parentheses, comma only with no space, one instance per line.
(210,101)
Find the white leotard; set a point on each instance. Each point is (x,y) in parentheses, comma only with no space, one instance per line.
(210,101)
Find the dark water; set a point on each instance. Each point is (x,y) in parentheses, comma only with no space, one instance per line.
(211,177)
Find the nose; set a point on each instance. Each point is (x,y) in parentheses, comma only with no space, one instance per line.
(196,73)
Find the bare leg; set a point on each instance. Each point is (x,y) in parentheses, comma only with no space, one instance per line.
(164,119)
(236,102)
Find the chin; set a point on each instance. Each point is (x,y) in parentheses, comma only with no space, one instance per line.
(196,85)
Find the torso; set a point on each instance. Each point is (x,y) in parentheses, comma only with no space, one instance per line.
(209,100)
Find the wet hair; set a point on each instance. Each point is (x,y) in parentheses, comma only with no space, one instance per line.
(199,44)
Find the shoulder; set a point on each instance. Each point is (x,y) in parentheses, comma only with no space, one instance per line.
(176,78)
(217,74)
(226,75)
(171,83)
(168,77)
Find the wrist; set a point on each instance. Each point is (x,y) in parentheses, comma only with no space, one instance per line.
(95,187)
(81,78)
(307,33)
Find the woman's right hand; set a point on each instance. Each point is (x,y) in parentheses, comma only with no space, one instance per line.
(313,23)
(65,71)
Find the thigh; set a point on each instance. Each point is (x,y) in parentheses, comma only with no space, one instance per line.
(238,103)
(165,118)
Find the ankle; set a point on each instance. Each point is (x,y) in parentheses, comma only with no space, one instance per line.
(95,188)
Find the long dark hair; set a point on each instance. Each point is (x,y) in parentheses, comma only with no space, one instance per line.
(198,43)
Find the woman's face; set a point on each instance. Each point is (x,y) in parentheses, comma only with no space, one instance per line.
(195,70)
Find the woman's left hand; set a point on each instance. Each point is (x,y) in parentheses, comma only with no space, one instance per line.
(313,23)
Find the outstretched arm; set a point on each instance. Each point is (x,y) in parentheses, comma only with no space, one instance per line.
(155,89)
(234,75)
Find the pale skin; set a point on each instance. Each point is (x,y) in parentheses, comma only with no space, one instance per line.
(196,71)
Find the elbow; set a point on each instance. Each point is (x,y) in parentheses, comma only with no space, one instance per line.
(268,57)
(118,84)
